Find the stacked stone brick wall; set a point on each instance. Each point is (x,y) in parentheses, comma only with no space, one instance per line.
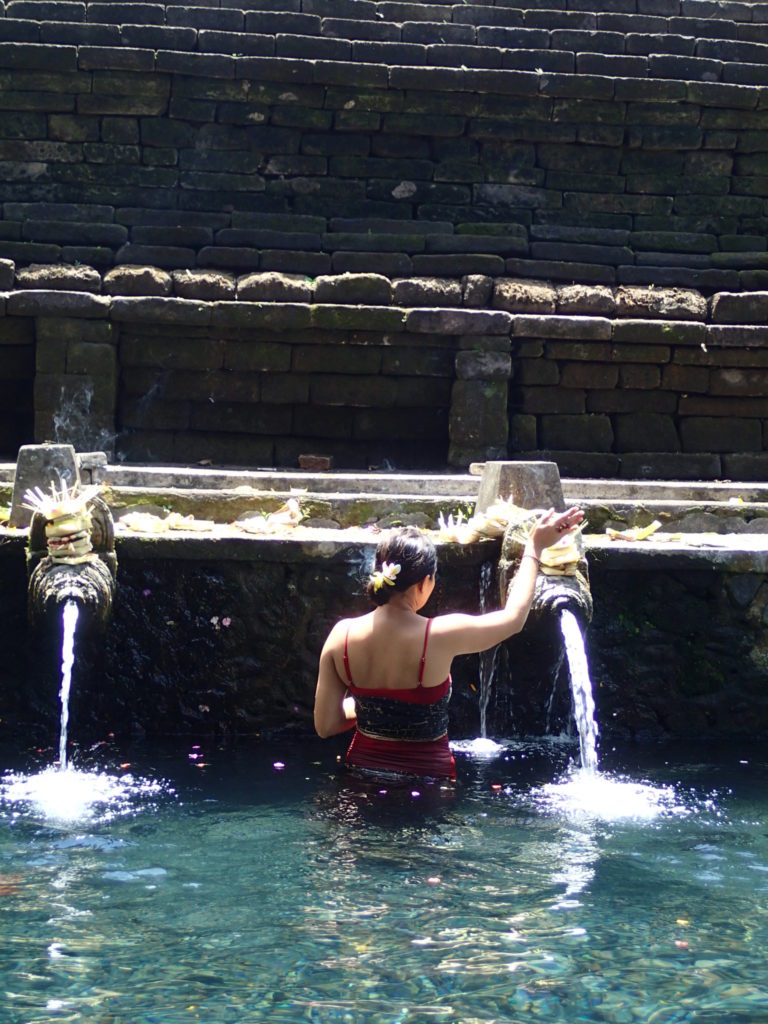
(620,146)
(412,373)
(639,382)
(17,371)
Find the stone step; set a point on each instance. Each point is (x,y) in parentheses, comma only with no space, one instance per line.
(396,21)
(592,54)
(680,43)
(563,52)
(357,498)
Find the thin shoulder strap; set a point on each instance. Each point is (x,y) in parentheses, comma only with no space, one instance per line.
(424,652)
(346,658)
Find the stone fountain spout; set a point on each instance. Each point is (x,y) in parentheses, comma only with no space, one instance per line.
(82,570)
(531,663)
(563,580)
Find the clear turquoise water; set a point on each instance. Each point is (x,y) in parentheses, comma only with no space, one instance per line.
(243,892)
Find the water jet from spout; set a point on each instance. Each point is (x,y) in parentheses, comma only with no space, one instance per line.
(581,690)
(69,621)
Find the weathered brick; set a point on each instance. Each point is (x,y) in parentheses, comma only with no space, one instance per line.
(535,372)
(458,266)
(262,418)
(118,58)
(685,378)
(88,394)
(645,432)
(549,400)
(589,375)
(51,356)
(665,332)
(388,263)
(591,433)
(640,353)
(336,359)
(42,302)
(335,422)
(717,434)
(409,424)
(276,316)
(483,365)
(665,303)
(170,352)
(74,329)
(84,357)
(62,278)
(746,336)
(137,281)
(426,292)
(35,55)
(200,284)
(577,328)
(619,400)
(478,415)
(585,300)
(138,414)
(522,433)
(160,310)
(285,388)
(739,308)
(117,105)
(167,256)
(639,377)
(371,318)
(362,391)
(354,289)
(274,287)
(717,405)
(455,321)
(418,361)
(736,381)
(256,356)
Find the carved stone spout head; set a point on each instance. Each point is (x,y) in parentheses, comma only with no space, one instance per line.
(79,566)
(90,585)
(563,580)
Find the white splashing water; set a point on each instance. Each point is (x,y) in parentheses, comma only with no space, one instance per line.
(581,690)
(69,617)
(75,796)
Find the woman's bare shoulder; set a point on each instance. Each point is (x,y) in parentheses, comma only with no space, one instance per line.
(339,632)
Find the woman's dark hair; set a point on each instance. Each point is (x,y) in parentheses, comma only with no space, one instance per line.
(414,552)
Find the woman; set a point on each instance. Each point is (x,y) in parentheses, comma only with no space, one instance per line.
(397,665)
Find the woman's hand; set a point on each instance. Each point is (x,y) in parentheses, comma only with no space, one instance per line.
(551,526)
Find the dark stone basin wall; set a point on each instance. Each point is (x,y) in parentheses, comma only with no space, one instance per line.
(227,646)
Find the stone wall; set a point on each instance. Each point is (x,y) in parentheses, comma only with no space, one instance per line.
(226,644)
(411,373)
(621,146)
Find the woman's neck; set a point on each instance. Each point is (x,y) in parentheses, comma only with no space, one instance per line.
(400,604)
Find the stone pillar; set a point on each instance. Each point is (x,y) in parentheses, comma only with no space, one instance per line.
(478,426)
(76,382)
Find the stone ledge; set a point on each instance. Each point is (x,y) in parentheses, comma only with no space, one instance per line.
(541,308)
(469,68)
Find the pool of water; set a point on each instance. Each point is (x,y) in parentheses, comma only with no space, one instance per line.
(260,883)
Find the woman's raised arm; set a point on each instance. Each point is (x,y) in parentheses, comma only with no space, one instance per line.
(470,634)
